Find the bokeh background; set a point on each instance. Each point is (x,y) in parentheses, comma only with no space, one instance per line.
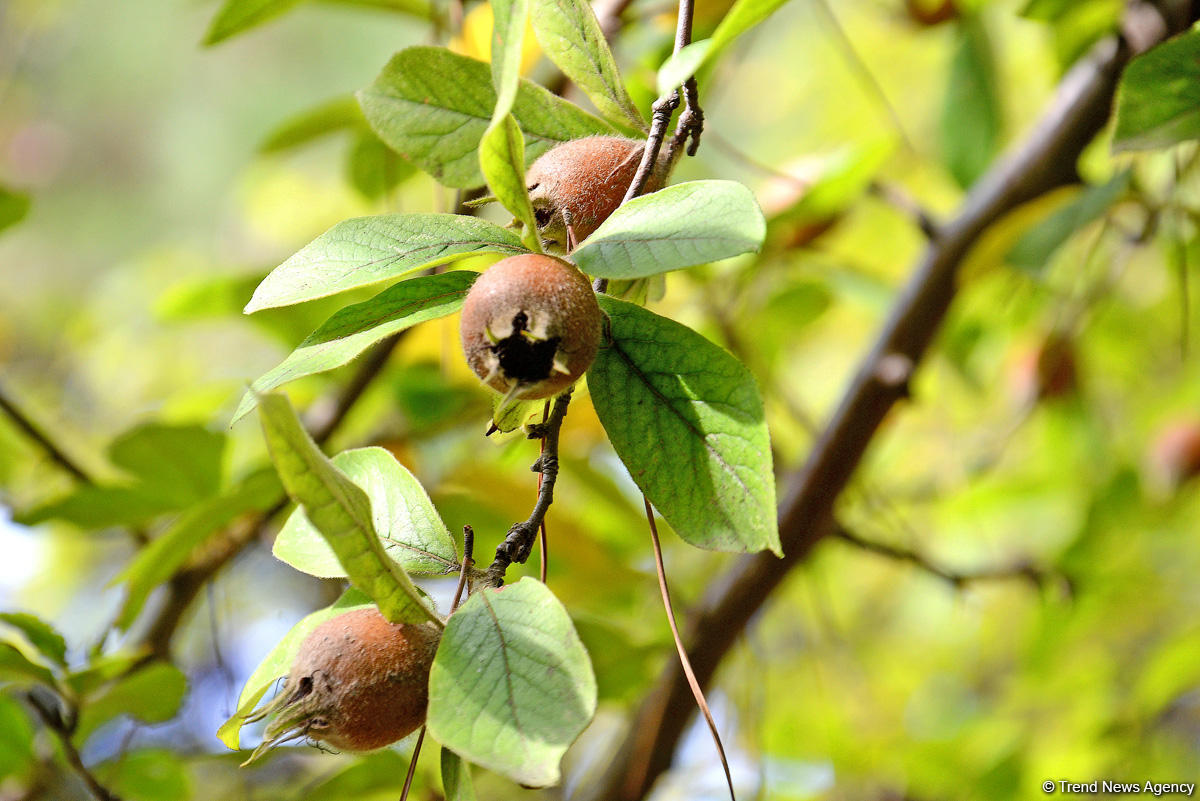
(1059,642)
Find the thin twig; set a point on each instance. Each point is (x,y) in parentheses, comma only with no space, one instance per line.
(54,723)
(691,119)
(859,66)
(1022,569)
(899,199)
(545,546)
(412,765)
(468,562)
(35,433)
(684,662)
(519,542)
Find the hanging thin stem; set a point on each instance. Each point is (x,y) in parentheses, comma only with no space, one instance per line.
(412,766)
(683,657)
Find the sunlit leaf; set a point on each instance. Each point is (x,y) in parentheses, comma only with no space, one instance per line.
(341,511)
(502,161)
(236,16)
(743,16)
(1158,99)
(40,634)
(680,226)
(687,420)
(511,686)
(409,527)
(367,250)
(570,34)
(355,328)
(433,106)
(278,661)
(154,774)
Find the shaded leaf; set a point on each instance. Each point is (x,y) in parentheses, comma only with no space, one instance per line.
(409,527)
(278,661)
(373,168)
(332,116)
(1032,252)
(13,207)
(456,777)
(433,106)
(158,560)
(152,695)
(355,328)
(687,420)
(1158,98)
(19,664)
(679,226)
(511,686)
(971,115)
(341,511)
(570,35)
(367,250)
(153,774)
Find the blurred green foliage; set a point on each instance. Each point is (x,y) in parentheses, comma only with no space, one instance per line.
(147,184)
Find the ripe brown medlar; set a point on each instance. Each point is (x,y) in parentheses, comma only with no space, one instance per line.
(358,683)
(575,186)
(530,326)
(1046,371)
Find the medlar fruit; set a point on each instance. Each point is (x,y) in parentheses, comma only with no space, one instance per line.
(358,683)
(575,186)
(530,326)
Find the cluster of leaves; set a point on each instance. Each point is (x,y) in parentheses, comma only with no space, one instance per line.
(684,415)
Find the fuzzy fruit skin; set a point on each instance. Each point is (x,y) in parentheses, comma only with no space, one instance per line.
(580,182)
(557,302)
(369,679)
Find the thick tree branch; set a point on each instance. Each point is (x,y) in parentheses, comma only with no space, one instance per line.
(1044,160)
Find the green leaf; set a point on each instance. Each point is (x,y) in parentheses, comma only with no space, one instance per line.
(680,226)
(509,18)
(409,527)
(13,207)
(511,686)
(971,115)
(236,16)
(153,774)
(21,664)
(355,328)
(1158,98)
(341,511)
(332,116)
(368,777)
(687,420)
(278,661)
(158,560)
(742,16)
(373,168)
(433,106)
(16,739)
(515,413)
(456,777)
(151,695)
(502,161)
(367,250)
(171,467)
(570,35)
(40,634)
(421,9)
(1032,252)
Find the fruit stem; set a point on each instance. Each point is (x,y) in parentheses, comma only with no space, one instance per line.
(519,542)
